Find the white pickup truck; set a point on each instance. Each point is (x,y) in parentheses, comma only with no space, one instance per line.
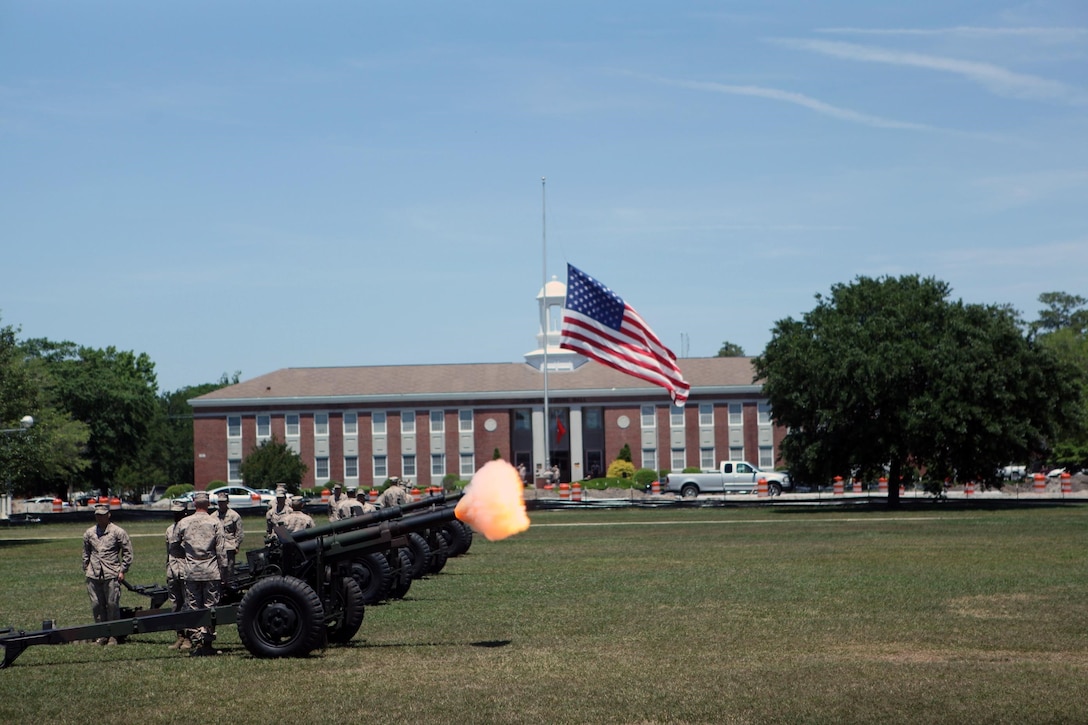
(731,477)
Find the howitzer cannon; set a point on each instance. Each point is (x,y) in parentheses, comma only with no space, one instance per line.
(292,596)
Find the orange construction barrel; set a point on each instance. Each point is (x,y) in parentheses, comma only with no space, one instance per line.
(58,505)
(837,489)
(576,492)
(1067,483)
(761,488)
(1040,483)
(564,490)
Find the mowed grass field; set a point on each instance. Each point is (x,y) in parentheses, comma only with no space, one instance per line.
(764,615)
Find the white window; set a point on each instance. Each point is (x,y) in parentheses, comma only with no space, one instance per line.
(706,415)
(321,424)
(736,414)
(321,469)
(438,464)
(706,459)
(234,426)
(438,421)
(736,453)
(676,417)
(234,471)
(649,417)
(408,465)
(468,464)
(351,466)
(381,468)
(678,459)
(377,422)
(464,421)
(408,421)
(649,458)
(766,457)
(763,411)
(264,426)
(351,424)
(291,424)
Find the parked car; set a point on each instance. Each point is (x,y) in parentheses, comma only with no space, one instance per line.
(240,497)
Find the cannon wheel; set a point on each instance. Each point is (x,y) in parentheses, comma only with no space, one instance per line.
(349,598)
(420,552)
(281,616)
(402,573)
(458,537)
(374,575)
(439,543)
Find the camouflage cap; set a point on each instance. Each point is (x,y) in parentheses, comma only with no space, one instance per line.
(201,497)
(223,497)
(101,508)
(177,505)
(281,492)
(297,501)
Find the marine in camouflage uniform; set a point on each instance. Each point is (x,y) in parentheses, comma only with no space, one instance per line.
(107,555)
(353,506)
(175,571)
(334,500)
(278,511)
(298,519)
(232,527)
(394,495)
(201,537)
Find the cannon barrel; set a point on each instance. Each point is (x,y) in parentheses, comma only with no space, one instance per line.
(374,537)
(376,517)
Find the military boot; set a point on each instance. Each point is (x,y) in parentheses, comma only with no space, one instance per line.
(179,642)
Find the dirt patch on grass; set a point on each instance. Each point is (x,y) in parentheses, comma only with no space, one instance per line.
(995,606)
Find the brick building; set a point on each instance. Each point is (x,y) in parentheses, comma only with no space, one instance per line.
(361,425)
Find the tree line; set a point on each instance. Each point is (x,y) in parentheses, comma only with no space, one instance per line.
(100,422)
(891,377)
(885,376)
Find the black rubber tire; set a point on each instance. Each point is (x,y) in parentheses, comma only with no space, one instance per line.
(457,539)
(374,575)
(349,602)
(439,550)
(402,573)
(281,616)
(420,552)
(689,490)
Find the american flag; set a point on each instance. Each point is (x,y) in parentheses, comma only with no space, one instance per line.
(598,324)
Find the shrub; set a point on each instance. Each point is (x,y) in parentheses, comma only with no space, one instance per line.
(451,482)
(625,453)
(692,469)
(178,489)
(621,469)
(644,476)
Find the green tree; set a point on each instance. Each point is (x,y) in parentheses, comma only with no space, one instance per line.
(730,349)
(271,463)
(1061,312)
(112,391)
(47,457)
(1062,328)
(625,454)
(888,375)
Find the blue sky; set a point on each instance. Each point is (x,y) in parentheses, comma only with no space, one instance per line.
(246,186)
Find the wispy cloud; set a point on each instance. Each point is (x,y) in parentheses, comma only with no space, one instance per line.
(1041,34)
(797,99)
(997,79)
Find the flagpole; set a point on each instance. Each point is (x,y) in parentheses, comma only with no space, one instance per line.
(544,318)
